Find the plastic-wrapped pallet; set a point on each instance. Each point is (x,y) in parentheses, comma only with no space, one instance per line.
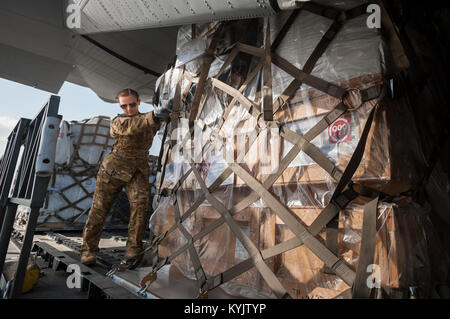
(357,58)
(401,230)
(227,222)
(80,149)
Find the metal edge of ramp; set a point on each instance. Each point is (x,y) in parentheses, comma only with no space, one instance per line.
(95,283)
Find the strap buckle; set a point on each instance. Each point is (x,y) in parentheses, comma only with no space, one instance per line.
(117,267)
(111,272)
(148,280)
(342,200)
(347,99)
(203,292)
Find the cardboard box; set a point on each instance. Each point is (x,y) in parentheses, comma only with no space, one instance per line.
(299,270)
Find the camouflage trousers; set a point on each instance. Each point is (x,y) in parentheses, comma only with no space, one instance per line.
(107,190)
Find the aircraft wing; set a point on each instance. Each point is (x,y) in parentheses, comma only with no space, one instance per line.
(119,44)
(37,49)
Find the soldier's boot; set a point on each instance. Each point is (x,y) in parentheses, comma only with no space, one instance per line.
(88,257)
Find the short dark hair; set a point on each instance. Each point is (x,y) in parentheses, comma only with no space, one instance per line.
(128,92)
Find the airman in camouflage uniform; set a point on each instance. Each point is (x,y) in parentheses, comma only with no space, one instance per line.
(126,166)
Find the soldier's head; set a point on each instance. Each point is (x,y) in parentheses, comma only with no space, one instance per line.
(129,101)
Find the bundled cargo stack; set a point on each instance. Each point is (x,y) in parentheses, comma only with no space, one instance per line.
(301,187)
(80,149)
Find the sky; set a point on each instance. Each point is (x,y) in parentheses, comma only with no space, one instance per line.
(77,103)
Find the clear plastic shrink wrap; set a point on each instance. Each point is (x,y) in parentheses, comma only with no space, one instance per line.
(356,58)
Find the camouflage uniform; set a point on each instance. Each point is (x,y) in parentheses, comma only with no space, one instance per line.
(126,166)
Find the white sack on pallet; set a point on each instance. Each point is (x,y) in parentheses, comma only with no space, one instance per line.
(357,50)
(63,188)
(90,153)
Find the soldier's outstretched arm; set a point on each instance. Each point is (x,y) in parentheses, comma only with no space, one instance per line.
(133,125)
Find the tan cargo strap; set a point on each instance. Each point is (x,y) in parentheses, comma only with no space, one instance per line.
(266,253)
(284,163)
(360,289)
(307,78)
(174,124)
(314,229)
(164,192)
(254,252)
(198,269)
(316,155)
(241,89)
(346,294)
(302,142)
(244,101)
(227,62)
(177,99)
(215,224)
(282,33)
(163,173)
(267,77)
(208,59)
(161,151)
(320,126)
(167,84)
(321,47)
(234,53)
(296,227)
(336,203)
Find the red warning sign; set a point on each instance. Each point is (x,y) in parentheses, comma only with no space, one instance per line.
(340,131)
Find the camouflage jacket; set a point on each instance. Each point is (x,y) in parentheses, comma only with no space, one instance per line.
(133,137)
